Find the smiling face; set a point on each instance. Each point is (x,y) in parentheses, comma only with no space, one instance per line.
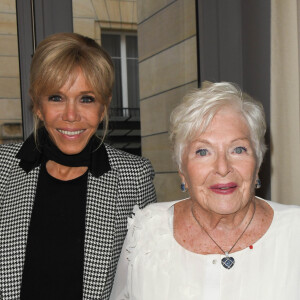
(219,166)
(71,115)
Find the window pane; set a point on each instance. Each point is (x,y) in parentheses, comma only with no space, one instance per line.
(131,46)
(111,43)
(133,83)
(132,71)
(116,101)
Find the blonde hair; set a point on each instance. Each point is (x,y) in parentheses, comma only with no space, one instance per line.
(57,59)
(194,114)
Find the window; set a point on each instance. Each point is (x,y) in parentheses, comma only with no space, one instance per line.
(123,49)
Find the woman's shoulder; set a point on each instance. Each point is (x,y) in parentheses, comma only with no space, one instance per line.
(159,206)
(285,214)
(118,153)
(10,148)
(8,158)
(149,228)
(122,158)
(154,217)
(283,208)
(9,151)
(153,210)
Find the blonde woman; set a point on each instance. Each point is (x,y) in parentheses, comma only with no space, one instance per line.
(65,196)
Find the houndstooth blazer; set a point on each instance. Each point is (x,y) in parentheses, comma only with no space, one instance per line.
(110,200)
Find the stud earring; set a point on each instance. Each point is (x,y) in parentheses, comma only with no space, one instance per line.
(258,184)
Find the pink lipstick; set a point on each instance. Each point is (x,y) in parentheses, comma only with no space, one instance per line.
(223,188)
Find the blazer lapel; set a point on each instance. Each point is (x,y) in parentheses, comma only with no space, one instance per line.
(100,231)
(16,208)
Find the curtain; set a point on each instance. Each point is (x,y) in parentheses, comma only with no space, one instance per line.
(285,112)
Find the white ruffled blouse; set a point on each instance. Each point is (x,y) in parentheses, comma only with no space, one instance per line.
(153,266)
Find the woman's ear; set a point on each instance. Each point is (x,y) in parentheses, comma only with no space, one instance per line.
(36,110)
(182,177)
(105,108)
(38,113)
(103,113)
(257,175)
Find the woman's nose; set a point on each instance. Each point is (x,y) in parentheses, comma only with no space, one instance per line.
(71,112)
(223,166)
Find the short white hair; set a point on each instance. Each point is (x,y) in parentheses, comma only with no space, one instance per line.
(195,113)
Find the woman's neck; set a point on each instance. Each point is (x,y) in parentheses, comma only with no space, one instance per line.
(62,172)
(213,221)
(224,230)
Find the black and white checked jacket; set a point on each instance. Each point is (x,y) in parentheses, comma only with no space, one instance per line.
(110,200)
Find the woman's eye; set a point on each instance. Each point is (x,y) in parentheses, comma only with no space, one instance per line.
(87,99)
(202,152)
(55,98)
(239,150)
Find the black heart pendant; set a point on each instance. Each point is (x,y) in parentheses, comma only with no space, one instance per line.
(228,262)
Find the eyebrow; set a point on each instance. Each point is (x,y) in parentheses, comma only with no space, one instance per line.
(81,93)
(241,139)
(87,92)
(208,142)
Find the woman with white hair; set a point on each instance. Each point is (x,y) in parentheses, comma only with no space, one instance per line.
(222,242)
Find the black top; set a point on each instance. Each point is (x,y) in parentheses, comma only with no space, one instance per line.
(55,248)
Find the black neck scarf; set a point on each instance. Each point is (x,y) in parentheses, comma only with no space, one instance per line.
(32,154)
(82,159)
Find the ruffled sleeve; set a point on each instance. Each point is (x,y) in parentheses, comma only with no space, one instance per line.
(146,228)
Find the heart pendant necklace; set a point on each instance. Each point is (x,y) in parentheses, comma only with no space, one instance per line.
(227,261)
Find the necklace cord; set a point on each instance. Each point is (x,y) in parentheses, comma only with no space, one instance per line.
(225,252)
